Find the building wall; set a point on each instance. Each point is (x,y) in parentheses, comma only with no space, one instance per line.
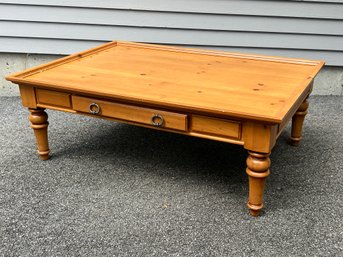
(310,29)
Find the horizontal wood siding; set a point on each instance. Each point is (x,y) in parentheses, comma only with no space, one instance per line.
(309,29)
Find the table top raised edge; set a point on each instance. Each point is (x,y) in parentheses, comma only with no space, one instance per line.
(19,77)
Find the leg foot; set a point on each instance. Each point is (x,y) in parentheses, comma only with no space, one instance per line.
(297,123)
(258,171)
(39,122)
(254,213)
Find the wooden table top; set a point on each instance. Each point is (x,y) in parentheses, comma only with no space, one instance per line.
(228,84)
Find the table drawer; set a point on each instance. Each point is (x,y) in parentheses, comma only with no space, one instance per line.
(125,112)
(53,98)
(214,126)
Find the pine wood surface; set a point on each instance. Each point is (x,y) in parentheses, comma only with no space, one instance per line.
(131,113)
(213,126)
(53,98)
(236,85)
(235,98)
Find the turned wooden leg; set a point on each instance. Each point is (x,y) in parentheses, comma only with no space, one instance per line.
(297,123)
(39,122)
(258,171)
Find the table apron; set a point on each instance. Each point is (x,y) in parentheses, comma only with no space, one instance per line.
(254,135)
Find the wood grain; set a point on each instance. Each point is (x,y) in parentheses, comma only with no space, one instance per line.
(297,123)
(257,170)
(212,126)
(28,97)
(237,85)
(230,97)
(39,123)
(259,137)
(170,120)
(54,98)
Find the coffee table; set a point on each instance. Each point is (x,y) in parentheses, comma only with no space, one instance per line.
(230,97)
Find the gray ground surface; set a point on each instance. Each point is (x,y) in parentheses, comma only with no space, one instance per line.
(118,190)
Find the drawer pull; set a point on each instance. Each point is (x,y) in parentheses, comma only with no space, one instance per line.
(157,120)
(94,108)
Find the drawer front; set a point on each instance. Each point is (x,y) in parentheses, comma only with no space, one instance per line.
(214,126)
(53,98)
(125,112)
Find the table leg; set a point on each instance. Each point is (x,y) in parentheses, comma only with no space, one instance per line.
(297,123)
(258,171)
(39,122)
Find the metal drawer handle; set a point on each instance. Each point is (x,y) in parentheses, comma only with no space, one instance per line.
(94,108)
(157,120)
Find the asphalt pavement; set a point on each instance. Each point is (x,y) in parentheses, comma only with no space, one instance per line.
(112,189)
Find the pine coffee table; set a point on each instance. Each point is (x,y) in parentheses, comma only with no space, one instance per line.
(230,97)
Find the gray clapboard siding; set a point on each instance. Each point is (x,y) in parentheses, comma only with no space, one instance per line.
(170,36)
(307,29)
(307,9)
(326,1)
(171,20)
